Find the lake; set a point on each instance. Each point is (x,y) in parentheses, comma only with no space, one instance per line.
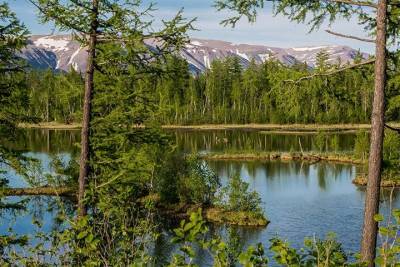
(300,199)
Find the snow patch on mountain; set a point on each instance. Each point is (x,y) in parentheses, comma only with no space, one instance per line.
(243,55)
(304,49)
(53,44)
(197,43)
(71,59)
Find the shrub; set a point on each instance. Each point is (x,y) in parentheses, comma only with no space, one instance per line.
(236,196)
(391,146)
(187,180)
(199,184)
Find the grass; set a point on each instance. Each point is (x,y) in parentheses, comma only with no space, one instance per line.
(241,218)
(267,156)
(300,128)
(385,182)
(51,125)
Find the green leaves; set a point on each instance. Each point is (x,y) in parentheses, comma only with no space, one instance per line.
(378,217)
(253,257)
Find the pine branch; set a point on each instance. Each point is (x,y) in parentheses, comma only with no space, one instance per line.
(369,61)
(350,36)
(58,18)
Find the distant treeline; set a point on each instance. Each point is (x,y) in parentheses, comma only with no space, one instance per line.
(228,93)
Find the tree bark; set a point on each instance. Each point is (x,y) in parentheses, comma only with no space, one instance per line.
(85,143)
(370,228)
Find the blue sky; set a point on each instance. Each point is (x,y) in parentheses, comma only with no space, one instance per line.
(268,30)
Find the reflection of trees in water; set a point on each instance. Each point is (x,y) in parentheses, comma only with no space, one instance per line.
(38,212)
(387,194)
(239,140)
(44,140)
(326,173)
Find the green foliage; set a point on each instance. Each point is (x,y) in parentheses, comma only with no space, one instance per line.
(13,97)
(224,94)
(317,252)
(388,253)
(223,253)
(187,180)
(327,252)
(314,13)
(334,144)
(236,196)
(55,96)
(361,146)
(200,185)
(391,146)
(188,232)
(253,257)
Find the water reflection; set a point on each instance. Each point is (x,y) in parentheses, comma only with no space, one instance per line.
(60,141)
(44,140)
(237,140)
(304,200)
(300,199)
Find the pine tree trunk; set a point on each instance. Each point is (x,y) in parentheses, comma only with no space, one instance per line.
(370,228)
(85,145)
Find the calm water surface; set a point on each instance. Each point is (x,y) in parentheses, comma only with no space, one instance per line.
(299,199)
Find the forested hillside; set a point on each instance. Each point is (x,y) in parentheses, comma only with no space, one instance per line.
(227,93)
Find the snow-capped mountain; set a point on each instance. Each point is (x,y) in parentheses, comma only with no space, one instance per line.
(60,52)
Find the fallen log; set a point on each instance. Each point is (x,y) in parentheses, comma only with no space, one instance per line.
(39,191)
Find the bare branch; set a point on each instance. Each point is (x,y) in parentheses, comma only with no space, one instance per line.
(351,37)
(369,61)
(356,3)
(392,128)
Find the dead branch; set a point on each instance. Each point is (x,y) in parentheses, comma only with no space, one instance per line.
(329,73)
(38,191)
(356,3)
(392,128)
(350,36)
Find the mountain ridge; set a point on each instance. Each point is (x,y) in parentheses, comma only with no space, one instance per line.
(61,52)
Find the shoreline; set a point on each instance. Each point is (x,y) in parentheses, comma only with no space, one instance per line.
(50,126)
(267,128)
(306,128)
(284,156)
(362,181)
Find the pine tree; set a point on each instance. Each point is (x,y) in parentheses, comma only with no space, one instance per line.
(13,98)
(101,21)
